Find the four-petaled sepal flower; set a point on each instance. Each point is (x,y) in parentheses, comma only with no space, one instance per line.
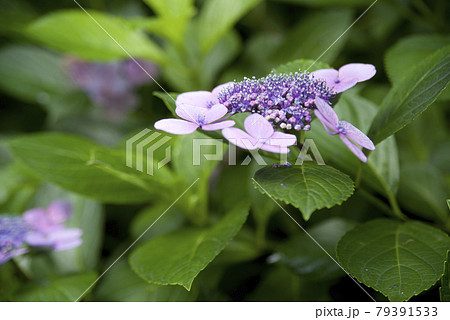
(260,135)
(344,129)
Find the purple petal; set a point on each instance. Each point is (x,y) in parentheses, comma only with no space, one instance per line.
(258,127)
(357,71)
(176,126)
(195,98)
(282,139)
(328,113)
(241,138)
(329,75)
(353,148)
(37,239)
(35,217)
(218,125)
(274,149)
(66,245)
(219,89)
(215,113)
(344,85)
(191,113)
(356,135)
(59,211)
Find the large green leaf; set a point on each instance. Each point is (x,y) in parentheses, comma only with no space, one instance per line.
(445,283)
(218,16)
(313,35)
(412,95)
(308,187)
(300,65)
(330,3)
(399,259)
(89,37)
(66,289)
(178,257)
(306,258)
(84,167)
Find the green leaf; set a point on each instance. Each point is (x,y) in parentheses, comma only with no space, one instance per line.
(305,258)
(313,35)
(66,289)
(308,187)
(169,100)
(32,74)
(84,167)
(412,95)
(300,65)
(173,18)
(399,259)
(217,17)
(121,284)
(410,51)
(445,283)
(330,3)
(178,257)
(88,40)
(423,192)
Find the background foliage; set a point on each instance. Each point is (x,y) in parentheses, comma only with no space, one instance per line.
(385,222)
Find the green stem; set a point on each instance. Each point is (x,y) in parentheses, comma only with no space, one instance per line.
(395,207)
(359,176)
(376,202)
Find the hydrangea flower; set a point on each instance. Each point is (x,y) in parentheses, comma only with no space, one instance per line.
(260,135)
(346,77)
(344,129)
(111,85)
(12,234)
(47,228)
(286,101)
(194,118)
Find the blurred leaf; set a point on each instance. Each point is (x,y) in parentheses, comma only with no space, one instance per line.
(412,95)
(399,259)
(329,3)
(217,17)
(423,192)
(410,51)
(302,65)
(305,258)
(172,20)
(84,167)
(308,187)
(66,289)
(32,74)
(313,35)
(445,283)
(88,40)
(121,284)
(178,257)
(170,221)
(222,53)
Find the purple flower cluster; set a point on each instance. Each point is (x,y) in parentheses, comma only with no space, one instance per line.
(38,227)
(286,101)
(112,85)
(278,101)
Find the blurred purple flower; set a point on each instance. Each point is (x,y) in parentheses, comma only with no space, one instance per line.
(112,85)
(195,117)
(47,228)
(12,234)
(347,76)
(260,135)
(346,131)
